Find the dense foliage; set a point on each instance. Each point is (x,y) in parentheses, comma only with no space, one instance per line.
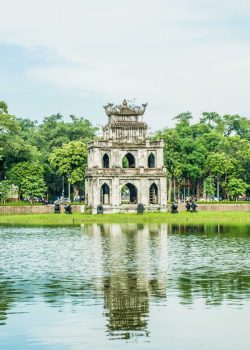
(209,158)
(41,158)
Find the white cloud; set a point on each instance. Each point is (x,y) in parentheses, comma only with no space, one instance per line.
(177,55)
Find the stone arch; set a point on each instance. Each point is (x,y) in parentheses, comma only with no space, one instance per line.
(153,194)
(129,194)
(105,194)
(128,161)
(151,160)
(105,161)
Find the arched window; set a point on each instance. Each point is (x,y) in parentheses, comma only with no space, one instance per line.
(105,194)
(105,161)
(128,194)
(153,194)
(151,161)
(128,161)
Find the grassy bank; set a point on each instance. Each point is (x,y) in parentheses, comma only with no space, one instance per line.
(77,219)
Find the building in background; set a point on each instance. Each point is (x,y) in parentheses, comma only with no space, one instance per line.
(125,167)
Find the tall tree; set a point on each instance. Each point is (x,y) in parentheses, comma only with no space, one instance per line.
(70,160)
(209,187)
(5,188)
(235,188)
(29,179)
(212,119)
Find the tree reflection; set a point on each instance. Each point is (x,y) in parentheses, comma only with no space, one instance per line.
(214,287)
(11,293)
(6,300)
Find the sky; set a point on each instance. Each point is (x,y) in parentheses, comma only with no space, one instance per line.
(74,56)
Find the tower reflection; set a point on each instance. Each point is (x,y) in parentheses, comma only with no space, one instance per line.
(134,266)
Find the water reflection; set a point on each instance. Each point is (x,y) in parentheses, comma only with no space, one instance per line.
(6,300)
(134,262)
(126,269)
(126,306)
(214,287)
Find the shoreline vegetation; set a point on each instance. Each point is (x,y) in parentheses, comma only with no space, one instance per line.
(77,219)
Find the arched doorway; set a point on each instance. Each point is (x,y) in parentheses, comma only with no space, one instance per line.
(151,161)
(105,194)
(105,161)
(153,194)
(129,194)
(128,161)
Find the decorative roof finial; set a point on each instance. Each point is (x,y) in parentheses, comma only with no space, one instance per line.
(124,109)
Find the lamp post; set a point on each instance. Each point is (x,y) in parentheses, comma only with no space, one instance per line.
(218,188)
(63,186)
(188,186)
(69,179)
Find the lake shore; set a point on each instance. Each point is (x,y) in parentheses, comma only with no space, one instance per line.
(76,219)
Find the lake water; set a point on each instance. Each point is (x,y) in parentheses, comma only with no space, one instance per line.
(129,286)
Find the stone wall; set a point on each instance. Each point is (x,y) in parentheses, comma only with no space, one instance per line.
(29,209)
(14,210)
(217,207)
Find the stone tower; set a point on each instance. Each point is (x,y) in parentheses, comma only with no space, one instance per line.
(124,166)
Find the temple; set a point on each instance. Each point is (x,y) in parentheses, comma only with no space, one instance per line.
(125,167)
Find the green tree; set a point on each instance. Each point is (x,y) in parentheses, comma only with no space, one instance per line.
(70,161)
(125,163)
(3,107)
(5,188)
(212,119)
(29,178)
(8,129)
(236,187)
(209,187)
(220,166)
(184,118)
(13,147)
(52,133)
(216,147)
(235,124)
(212,141)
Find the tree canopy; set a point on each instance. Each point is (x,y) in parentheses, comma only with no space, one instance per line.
(29,178)
(214,150)
(70,160)
(208,158)
(25,144)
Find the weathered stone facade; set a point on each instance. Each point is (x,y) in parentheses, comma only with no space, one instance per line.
(125,167)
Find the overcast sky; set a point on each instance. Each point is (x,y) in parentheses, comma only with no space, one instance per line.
(74,56)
